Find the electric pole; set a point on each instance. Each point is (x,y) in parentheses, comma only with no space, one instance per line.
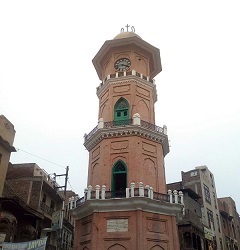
(63,205)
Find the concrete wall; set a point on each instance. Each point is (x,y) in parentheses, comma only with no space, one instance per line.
(7,134)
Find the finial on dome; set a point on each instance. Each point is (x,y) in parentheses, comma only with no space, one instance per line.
(127,26)
(127,32)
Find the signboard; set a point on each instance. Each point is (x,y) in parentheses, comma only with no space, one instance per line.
(208,234)
(2,237)
(57,220)
(117,225)
(39,244)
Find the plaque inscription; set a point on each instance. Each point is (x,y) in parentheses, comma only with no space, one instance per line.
(117,225)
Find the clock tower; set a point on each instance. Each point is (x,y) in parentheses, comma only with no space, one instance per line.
(126,204)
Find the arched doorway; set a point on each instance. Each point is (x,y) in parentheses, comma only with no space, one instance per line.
(121,112)
(119,179)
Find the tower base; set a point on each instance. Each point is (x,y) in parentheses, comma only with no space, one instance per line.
(136,223)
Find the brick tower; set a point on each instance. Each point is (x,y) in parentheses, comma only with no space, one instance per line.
(126,205)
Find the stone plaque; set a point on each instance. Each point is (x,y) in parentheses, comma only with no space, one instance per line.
(117,225)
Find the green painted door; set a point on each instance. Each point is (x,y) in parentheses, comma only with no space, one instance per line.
(119,179)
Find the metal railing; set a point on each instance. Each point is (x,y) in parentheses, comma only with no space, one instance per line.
(115,194)
(123,123)
(45,208)
(120,123)
(151,126)
(91,133)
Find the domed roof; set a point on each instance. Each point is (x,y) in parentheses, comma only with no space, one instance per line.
(126,35)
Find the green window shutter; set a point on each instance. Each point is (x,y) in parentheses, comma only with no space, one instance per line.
(121,112)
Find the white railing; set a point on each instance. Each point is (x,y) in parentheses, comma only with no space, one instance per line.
(100,193)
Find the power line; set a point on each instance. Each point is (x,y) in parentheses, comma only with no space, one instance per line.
(18,149)
(71,186)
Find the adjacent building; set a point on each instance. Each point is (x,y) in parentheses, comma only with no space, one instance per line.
(201,180)
(37,190)
(230,223)
(67,231)
(190,227)
(31,202)
(18,221)
(7,134)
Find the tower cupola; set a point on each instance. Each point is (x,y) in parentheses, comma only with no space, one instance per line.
(128,45)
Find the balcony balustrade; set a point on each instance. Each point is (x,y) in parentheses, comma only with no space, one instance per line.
(126,74)
(141,191)
(124,123)
(192,217)
(46,209)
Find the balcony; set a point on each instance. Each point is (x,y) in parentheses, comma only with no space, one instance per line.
(134,126)
(133,198)
(141,191)
(46,209)
(190,217)
(127,75)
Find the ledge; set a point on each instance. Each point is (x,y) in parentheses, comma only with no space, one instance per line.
(123,77)
(127,204)
(129,130)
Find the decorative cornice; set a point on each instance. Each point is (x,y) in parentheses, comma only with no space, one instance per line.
(125,79)
(127,204)
(135,43)
(132,130)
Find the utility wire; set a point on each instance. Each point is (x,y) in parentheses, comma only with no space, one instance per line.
(71,186)
(18,149)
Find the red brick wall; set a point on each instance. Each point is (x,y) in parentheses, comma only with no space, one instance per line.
(20,188)
(16,171)
(145,231)
(35,194)
(143,158)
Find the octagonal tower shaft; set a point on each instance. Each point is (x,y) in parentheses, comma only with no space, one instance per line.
(127,146)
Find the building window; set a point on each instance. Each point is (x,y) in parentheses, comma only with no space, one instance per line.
(224,224)
(227,239)
(207,194)
(210,219)
(218,225)
(121,112)
(212,180)
(193,173)
(234,232)
(221,245)
(52,205)
(214,199)
(44,198)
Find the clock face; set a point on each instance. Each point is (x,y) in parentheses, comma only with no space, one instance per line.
(122,64)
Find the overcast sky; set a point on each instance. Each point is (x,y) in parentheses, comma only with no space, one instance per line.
(48,82)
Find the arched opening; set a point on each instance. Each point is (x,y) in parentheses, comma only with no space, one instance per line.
(117,247)
(199,245)
(121,112)
(194,241)
(187,240)
(119,179)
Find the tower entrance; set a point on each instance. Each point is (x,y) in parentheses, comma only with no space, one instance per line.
(119,179)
